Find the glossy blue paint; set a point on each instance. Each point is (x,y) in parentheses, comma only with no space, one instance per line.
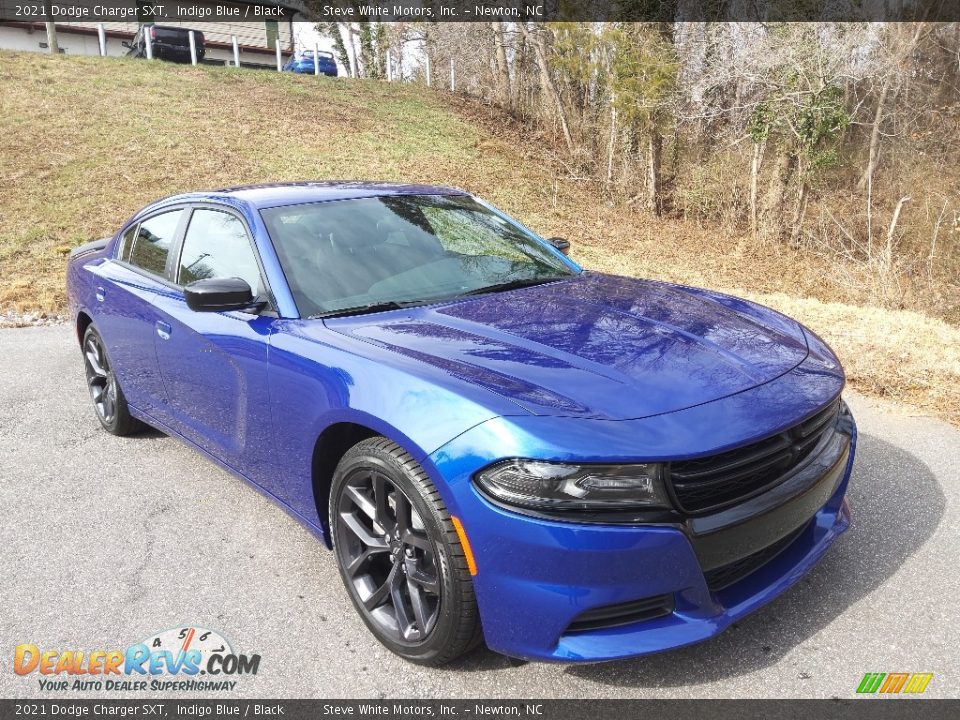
(553,571)
(593,346)
(302,63)
(593,368)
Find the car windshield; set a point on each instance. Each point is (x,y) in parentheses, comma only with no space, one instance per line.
(369,254)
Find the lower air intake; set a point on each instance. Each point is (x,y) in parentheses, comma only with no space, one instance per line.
(626,613)
(726,575)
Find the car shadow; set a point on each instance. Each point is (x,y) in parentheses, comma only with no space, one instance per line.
(891,521)
(149,433)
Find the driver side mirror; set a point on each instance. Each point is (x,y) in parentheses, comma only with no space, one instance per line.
(219,295)
(561,244)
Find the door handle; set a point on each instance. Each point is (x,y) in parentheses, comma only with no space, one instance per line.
(101,294)
(163,330)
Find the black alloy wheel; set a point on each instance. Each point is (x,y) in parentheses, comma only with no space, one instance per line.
(399,555)
(108,399)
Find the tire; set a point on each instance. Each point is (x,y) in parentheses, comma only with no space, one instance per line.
(397,548)
(109,402)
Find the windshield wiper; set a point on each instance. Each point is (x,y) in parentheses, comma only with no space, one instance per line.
(512,285)
(401,304)
(371,308)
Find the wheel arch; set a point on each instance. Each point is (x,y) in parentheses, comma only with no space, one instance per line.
(83,322)
(331,445)
(333,442)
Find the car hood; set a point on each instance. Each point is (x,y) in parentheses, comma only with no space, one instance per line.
(595,345)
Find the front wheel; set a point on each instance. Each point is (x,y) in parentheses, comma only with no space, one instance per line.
(399,555)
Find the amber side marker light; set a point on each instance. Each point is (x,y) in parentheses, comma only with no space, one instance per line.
(465,544)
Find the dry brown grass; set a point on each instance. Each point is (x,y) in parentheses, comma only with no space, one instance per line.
(899,354)
(896,354)
(86,142)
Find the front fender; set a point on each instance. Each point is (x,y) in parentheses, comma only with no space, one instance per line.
(313,385)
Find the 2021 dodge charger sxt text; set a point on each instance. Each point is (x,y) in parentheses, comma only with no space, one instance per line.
(496,444)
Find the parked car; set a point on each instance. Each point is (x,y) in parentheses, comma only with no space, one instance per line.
(496,443)
(168,43)
(302,62)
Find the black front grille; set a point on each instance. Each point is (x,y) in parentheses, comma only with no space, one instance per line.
(622,614)
(716,481)
(726,575)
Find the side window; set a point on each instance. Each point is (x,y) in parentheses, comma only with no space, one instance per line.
(216,245)
(126,243)
(154,240)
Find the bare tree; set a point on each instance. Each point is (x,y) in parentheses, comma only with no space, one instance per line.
(503,66)
(535,36)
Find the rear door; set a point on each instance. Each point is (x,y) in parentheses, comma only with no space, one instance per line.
(127,292)
(214,365)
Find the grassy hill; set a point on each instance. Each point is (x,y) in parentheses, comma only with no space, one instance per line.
(88,141)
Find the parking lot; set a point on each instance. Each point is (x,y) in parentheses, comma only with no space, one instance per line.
(110,540)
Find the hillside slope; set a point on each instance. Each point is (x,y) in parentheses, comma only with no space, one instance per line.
(88,141)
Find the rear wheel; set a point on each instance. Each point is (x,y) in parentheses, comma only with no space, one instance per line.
(108,399)
(399,555)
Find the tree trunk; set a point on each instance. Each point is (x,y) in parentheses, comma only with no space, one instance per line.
(540,53)
(367,61)
(874,152)
(771,220)
(353,45)
(613,140)
(886,262)
(799,210)
(755,165)
(654,163)
(503,66)
(335,30)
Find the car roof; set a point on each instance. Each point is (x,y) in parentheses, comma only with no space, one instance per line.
(275,195)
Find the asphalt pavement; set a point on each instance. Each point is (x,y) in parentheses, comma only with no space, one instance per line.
(106,541)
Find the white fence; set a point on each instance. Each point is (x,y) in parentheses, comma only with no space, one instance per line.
(393,69)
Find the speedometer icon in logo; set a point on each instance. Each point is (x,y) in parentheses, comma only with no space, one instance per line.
(184,639)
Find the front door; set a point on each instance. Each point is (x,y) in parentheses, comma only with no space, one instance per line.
(214,365)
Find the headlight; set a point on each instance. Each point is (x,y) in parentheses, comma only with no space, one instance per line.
(562,486)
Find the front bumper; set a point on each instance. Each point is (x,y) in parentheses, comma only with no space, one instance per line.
(537,576)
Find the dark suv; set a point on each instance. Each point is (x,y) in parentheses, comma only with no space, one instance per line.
(169,43)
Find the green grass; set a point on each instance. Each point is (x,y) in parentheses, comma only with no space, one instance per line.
(85,142)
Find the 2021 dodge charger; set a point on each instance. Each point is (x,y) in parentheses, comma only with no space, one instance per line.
(497,445)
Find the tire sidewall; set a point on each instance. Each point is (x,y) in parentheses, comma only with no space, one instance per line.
(111,426)
(450,601)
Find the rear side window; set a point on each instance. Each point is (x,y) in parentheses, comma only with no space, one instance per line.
(217,246)
(153,242)
(126,243)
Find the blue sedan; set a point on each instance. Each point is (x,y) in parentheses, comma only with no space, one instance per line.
(302,62)
(497,445)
